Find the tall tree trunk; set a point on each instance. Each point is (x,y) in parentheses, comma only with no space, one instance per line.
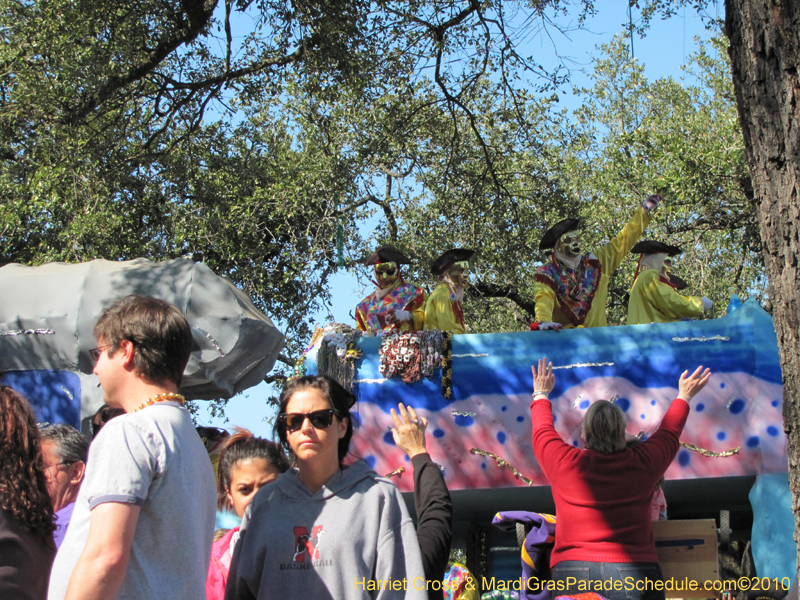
(764,50)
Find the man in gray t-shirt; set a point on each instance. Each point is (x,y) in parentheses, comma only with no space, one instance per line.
(144,518)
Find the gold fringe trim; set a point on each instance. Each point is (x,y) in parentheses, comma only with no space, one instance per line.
(399,472)
(501,462)
(710,453)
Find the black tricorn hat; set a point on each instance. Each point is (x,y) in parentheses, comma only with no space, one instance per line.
(653,247)
(450,257)
(387,254)
(556,231)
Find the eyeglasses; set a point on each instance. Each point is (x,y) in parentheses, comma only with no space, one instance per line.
(60,464)
(320,419)
(95,354)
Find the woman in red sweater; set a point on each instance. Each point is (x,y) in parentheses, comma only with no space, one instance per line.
(604,537)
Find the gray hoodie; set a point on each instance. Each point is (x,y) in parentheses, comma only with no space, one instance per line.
(351,540)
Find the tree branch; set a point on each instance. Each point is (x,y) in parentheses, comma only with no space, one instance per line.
(286,360)
(228,76)
(197,14)
(455,100)
(491,290)
(398,174)
(387,209)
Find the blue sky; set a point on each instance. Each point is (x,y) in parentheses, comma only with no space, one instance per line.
(662,52)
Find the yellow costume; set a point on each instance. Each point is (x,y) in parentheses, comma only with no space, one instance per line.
(653,301)
(443,312)
(609,257)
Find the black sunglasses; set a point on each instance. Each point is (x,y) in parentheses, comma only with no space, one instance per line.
(320,419)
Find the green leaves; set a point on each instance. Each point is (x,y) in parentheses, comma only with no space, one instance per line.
(245,137)
(682,141)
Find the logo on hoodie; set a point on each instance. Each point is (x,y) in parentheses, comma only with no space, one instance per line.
(305,544)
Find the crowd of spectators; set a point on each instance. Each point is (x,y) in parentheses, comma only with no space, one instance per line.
(133,514)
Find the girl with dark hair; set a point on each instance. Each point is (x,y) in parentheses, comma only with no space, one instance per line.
(323,529)
(246,464)
(26,513)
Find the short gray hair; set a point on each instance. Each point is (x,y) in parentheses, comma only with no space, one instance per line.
(603,428)
(71,445)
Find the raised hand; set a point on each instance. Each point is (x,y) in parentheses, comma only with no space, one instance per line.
(652,201)
(543,379)
(409,430)
(690,385)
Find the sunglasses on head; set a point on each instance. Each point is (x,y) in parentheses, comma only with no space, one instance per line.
(319,419)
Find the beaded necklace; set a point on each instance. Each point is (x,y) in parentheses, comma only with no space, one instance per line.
(161,398)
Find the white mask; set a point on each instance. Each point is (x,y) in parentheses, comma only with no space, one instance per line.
(568,249)
(653,261)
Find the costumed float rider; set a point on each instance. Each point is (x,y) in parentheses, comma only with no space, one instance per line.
(571,291)
(654,296)
(394,305)
(443,310)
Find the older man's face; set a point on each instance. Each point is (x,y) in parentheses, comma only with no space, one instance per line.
(60,478)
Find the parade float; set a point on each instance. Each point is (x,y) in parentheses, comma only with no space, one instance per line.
(475,391)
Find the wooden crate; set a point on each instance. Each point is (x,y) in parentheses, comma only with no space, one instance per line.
(687,551)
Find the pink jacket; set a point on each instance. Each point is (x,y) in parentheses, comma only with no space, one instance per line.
(658,507)
(219,566)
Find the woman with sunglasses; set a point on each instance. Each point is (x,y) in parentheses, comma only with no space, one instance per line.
(323,529)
